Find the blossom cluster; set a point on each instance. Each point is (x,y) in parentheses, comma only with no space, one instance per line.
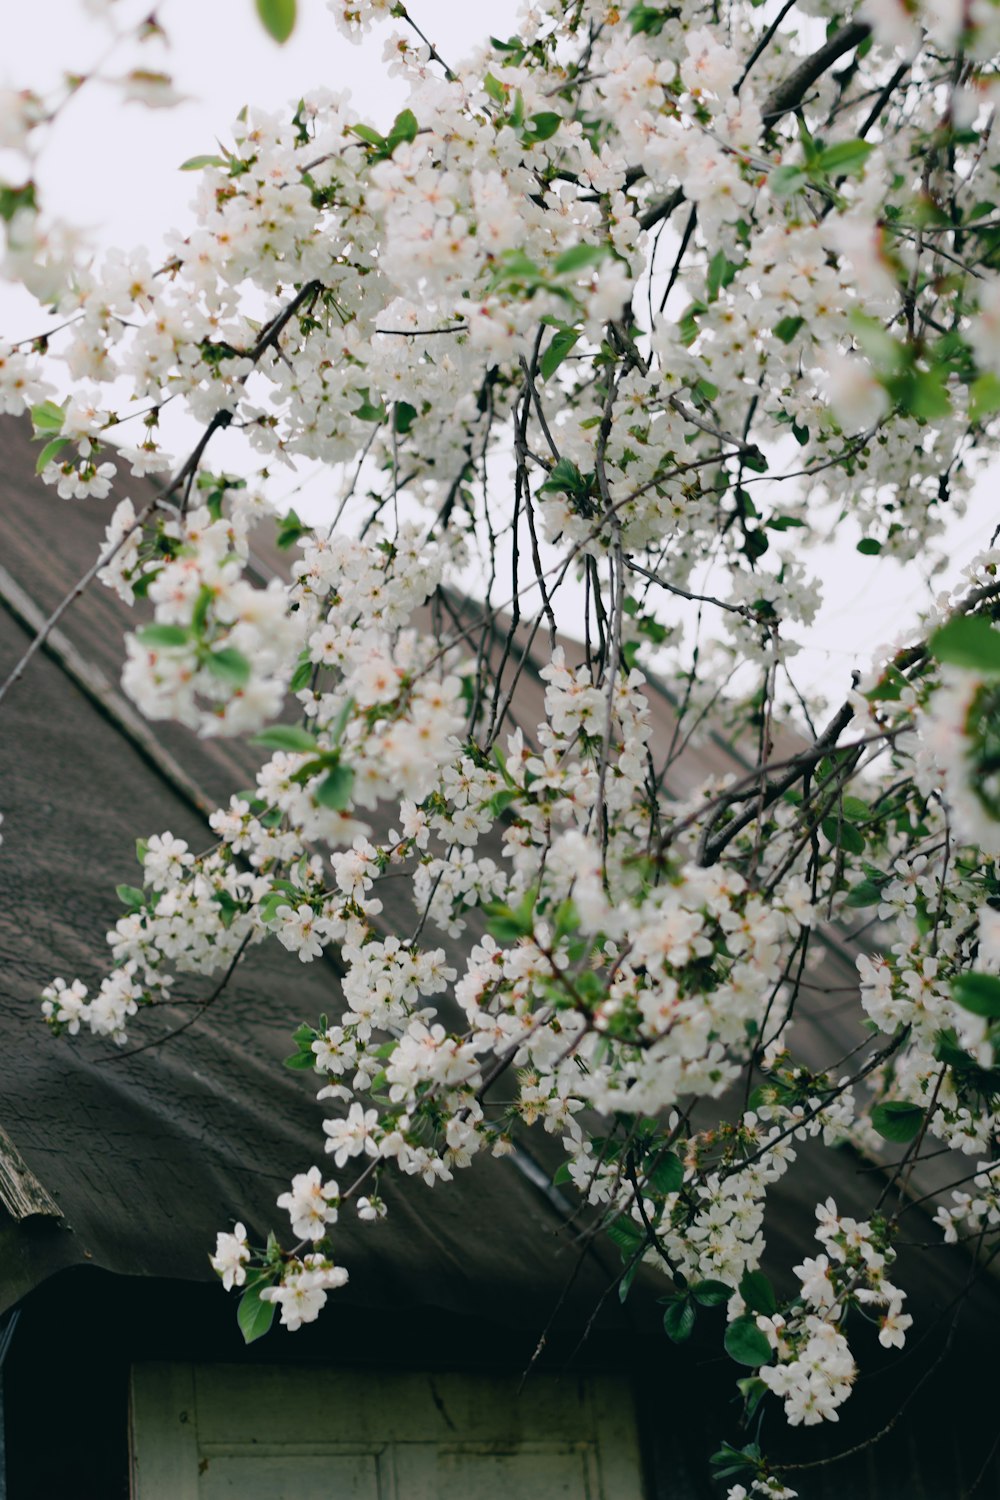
(593,342)
(815,1369)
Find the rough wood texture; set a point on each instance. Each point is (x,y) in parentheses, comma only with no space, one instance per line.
(21,1193)
(274,1434)
(107,699)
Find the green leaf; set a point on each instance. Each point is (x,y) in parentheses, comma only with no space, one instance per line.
(758,1293)
(278,17)
(667,1175)
(495,89)
(886,354)
(926,395)
(897,1120)
(290,529)
(195,163)
(372,137)
(564,475)
(254,1316)
(268,908)
(753,1390)
(14,198)
(678,1320)
(845,158)
(967,641)
(501,923)
(49,452)
(746,1343)
(653,630)
(514,266)
(303,672)
(229,908)
(336,730)
(559,346)
(784,181)
(687,323)
(230,665)
(404,128)
(47,417)
(367,411)
(579,257)
(841,833)
(867,893)
(984,397)
(566,918)
(403,417)
(869,546)
(501,761)
(506,923)
(889,687)
(626,1234)
(755,543)
(542,127)
(647,18)
(969,1075)
(711,1293)
(500,801)
(160,636)
(786,329)
(978,993)
(300,1061)
(730,1460)
(130,895)
(721,271)
(202,605)
(140,586)
(625,1284)
(285,737)
(335,791)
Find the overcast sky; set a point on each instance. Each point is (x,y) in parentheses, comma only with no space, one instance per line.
(113,168)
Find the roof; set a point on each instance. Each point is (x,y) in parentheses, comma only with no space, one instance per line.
(133,1162)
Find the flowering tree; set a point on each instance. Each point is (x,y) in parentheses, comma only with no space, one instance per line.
(616,318)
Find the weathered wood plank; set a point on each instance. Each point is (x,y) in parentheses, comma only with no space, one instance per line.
(21,1193)
(274,1433)
(163,1433)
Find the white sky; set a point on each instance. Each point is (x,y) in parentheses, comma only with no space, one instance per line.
(113,169)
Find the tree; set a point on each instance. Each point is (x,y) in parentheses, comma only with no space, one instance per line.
(637,296)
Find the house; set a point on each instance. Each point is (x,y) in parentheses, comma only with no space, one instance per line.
(124,1373)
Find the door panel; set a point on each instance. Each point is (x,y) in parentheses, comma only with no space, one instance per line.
(288,1476)
(218,1432)
(438,1472)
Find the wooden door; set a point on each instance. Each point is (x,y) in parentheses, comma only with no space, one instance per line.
(219,1432)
